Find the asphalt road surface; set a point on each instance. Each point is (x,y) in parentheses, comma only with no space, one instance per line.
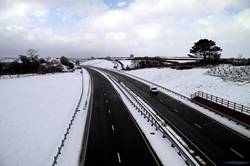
(114,138)
(216,143)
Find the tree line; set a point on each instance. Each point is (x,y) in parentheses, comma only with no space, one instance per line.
(31,63)
(205,51)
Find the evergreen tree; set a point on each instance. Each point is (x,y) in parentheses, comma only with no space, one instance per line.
(205,49)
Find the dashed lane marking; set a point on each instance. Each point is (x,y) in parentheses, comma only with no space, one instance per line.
(236,152)
(197,125)
(119,157)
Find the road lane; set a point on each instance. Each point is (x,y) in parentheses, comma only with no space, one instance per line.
(114,139)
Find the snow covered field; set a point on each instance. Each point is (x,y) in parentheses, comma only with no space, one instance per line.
(100,63)
(186,82)
(35,112)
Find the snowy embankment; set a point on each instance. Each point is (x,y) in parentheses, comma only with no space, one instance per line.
(186,82)
(35,112)
(230,72)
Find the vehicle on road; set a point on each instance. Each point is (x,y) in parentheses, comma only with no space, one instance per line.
(153,90)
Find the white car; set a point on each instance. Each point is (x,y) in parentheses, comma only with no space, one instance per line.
(154,90)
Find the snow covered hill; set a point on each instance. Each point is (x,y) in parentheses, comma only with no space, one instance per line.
(100,63)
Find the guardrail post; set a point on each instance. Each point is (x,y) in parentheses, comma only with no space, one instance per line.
(234,105)
(156,128)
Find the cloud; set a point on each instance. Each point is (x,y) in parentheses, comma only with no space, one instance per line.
(121,4)
(144,27)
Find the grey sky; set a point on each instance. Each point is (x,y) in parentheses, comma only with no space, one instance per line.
(84,28)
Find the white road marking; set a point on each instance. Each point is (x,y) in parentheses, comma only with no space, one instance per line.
(113,128)
(109,111)
(119,158)
(197,125)
(236,152)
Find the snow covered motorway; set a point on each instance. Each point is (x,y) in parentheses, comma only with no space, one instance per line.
(35,112)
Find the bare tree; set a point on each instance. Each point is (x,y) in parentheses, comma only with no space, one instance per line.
(33,54)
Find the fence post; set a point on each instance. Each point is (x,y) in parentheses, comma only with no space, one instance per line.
(234,105)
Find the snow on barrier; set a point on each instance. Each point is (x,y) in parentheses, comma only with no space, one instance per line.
(59,150)
(232,105)
(182,149)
